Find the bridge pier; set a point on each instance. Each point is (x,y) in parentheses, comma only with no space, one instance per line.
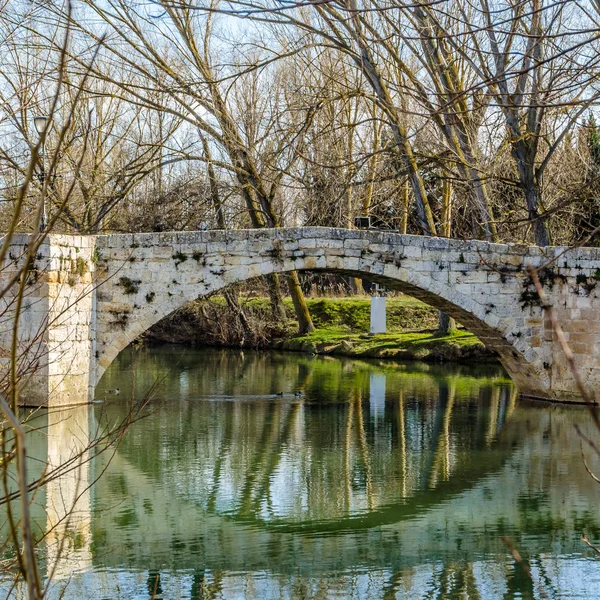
(89,297)
(56,332)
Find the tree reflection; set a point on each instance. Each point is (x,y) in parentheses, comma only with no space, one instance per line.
(347,490)
(332,454)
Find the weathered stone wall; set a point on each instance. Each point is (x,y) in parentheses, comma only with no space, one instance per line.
(71,335)
(56,332)
(144,277)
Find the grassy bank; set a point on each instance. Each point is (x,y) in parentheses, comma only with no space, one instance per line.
(342,329)
(459,345)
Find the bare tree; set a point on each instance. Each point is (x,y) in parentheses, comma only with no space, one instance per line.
(198,95)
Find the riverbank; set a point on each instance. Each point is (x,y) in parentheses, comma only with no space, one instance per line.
(342,326)
(459,345)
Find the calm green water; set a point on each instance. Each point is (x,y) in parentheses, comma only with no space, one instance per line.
(376,481)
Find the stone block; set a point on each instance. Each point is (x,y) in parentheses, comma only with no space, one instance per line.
(436,244)
(357,244)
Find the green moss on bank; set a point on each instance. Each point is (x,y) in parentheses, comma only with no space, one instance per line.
(342,325)
(459,345)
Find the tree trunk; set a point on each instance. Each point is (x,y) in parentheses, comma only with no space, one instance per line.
(539,226)
(231,297)
(446,322)
(276,298)
(257,200)
(525,158)
(488,225)
(356,285)
(405,207)
(258,221)
(305,324)
(453,119)
(424,213)
(447,193)
(213,186)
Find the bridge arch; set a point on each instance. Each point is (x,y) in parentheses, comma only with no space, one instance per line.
(149,276)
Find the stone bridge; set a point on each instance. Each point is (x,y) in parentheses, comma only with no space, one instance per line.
(91,296)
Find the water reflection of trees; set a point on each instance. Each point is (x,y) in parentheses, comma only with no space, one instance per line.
(333,454)
(454,580)
(401,481)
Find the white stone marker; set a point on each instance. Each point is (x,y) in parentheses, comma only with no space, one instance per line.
(378,314)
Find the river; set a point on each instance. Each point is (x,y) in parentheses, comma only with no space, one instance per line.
(276,475)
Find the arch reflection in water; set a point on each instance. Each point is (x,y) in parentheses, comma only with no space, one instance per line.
(379,481)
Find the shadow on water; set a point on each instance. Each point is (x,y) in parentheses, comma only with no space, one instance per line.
(276,475)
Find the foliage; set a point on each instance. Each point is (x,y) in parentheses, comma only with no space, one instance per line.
(342,328)
(130,286)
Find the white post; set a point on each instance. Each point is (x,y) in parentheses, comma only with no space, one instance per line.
(378,316)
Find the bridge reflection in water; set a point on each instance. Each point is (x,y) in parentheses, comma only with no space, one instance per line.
(380,481)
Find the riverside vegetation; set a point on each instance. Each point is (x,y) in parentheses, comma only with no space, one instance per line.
(341,328)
